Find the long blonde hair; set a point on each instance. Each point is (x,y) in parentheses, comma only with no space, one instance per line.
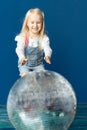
(25,30)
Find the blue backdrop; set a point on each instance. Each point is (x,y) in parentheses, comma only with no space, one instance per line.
(66,24)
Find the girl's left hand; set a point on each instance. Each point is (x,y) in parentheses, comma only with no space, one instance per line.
(47,59)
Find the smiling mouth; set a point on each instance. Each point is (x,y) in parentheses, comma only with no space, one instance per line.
(35,29)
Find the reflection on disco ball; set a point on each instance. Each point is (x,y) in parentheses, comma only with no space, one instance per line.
(42,100)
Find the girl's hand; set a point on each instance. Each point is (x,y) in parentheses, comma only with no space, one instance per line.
(47,59)
(23,61)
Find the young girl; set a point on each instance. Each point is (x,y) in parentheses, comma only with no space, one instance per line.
(32,42)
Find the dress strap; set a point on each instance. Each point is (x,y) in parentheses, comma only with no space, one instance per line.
(27,40)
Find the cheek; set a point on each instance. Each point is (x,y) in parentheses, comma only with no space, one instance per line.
(28,23)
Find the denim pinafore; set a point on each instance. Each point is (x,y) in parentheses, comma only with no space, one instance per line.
(34,55)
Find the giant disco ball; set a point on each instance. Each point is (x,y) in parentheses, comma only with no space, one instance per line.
(42,100)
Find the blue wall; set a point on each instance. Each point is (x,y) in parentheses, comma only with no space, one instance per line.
(66,24)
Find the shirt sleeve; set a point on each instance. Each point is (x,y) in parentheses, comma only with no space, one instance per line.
(46,46)
(20,47)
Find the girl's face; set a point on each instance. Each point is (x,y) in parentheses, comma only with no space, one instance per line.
(34,23)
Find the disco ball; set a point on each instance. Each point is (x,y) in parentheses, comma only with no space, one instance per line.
(42,100)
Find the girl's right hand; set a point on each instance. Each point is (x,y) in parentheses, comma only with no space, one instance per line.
(23,61)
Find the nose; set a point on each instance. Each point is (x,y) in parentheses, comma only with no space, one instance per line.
(35,24)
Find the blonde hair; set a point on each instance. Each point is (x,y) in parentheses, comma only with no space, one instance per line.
(25,30)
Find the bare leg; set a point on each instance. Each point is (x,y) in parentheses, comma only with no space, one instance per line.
(23,74)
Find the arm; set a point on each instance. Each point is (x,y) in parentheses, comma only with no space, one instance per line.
(20,49)
(47,49)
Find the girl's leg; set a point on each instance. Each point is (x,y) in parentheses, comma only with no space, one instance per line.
(23,69)
(23,74)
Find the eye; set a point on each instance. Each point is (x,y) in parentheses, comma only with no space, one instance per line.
(32,22)
(39,22)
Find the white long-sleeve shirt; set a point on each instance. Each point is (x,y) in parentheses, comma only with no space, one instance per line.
(32,43)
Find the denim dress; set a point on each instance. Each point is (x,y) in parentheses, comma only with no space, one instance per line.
(35,60)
